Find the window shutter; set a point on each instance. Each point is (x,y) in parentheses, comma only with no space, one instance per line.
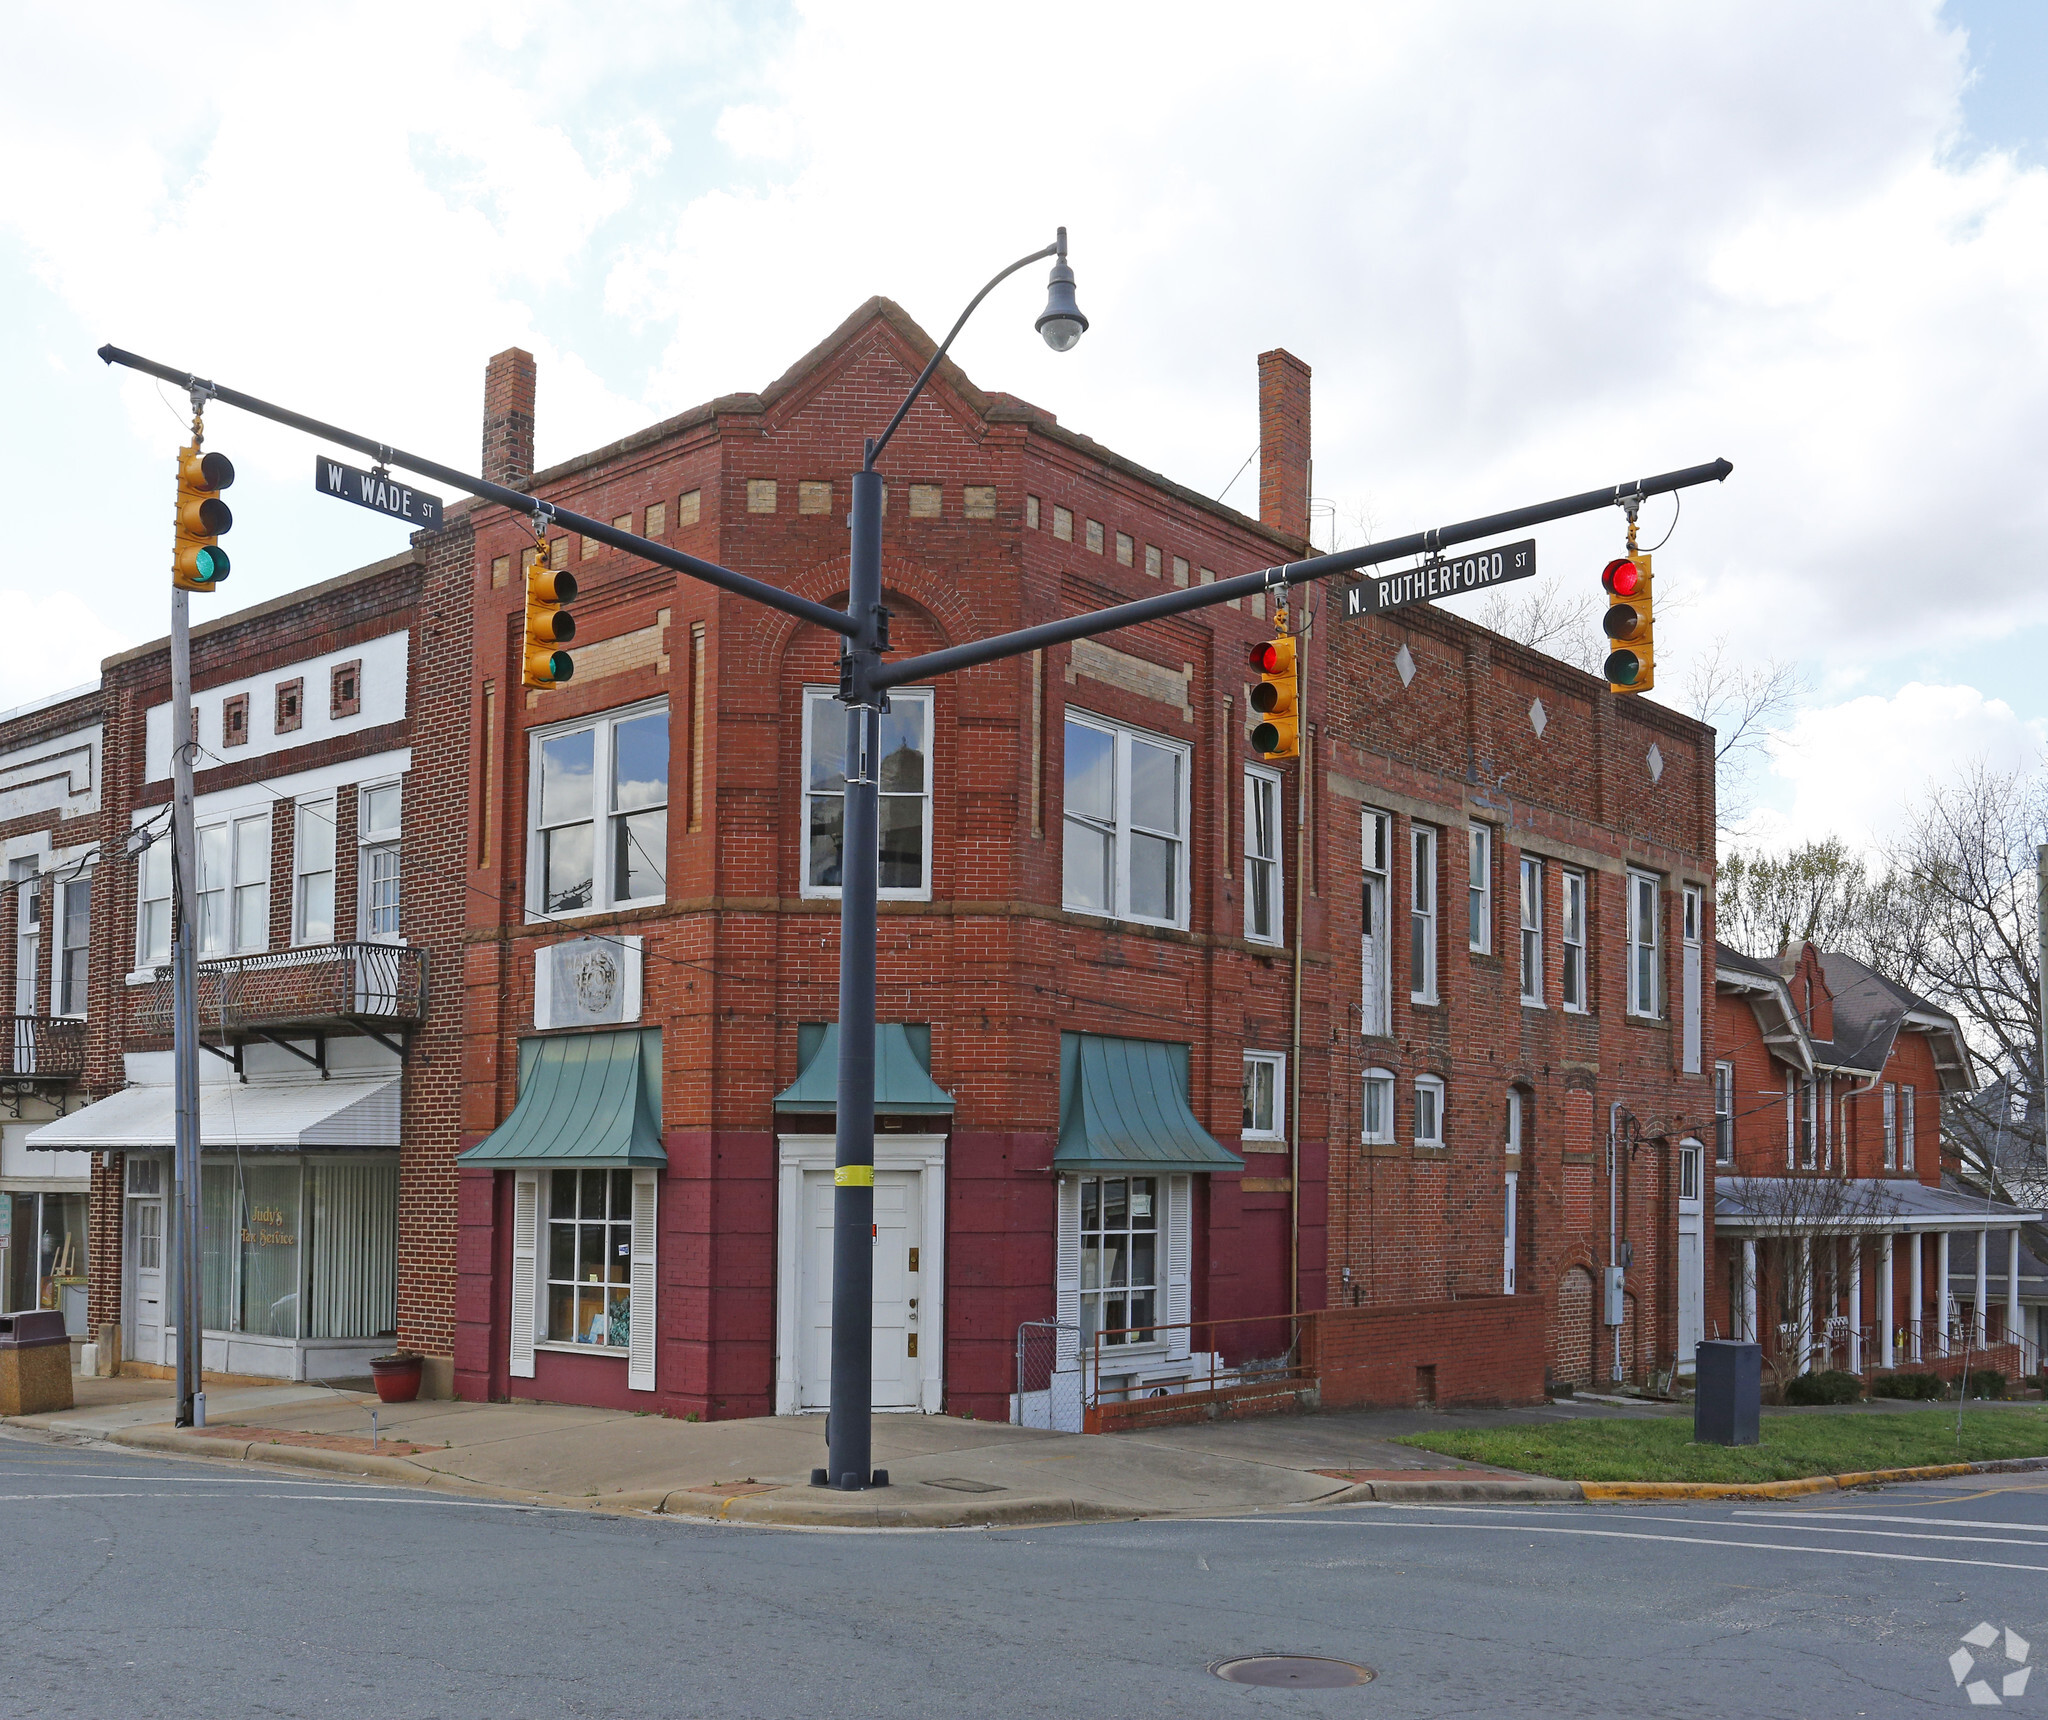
(525,1269)
(1067,1291)
(1179,1230)
(1692,1009)
(640,1330)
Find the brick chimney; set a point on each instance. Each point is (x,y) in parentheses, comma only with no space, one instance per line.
(508,417)
(1283,442)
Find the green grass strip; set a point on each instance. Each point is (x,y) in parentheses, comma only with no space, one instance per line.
(1661,1449)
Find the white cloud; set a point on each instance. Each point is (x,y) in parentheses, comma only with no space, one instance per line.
(71,637)
(1853,769)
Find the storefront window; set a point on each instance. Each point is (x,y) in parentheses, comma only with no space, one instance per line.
(590,1257)
(44,1238)
(249,1249)
(1119,1258)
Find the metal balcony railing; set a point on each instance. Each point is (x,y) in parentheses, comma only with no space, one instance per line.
(43,1048)
(321,987)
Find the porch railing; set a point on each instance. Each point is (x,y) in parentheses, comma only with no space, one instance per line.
(43,1047)
(1132,1376)
(323,985)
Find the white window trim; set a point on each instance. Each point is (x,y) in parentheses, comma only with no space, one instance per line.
(1376,950)
(1651,1008)
(531,1217)
(1479,896)
(1513,1144)
(830,892)
(62,949)
(602,723)
(1508,1234)
(1387,1135)
(1724,1087)
(1906,1150)
(1422,880)
(1573,951)
(1258,774)
(145,962)
(1123,734)
(1277,1062)
(234,884)
(1891,1126)
(314,806)
(1427,1084)
(1530,952)
(367,842)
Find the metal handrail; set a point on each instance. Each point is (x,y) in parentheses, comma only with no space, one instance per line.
(1289,1367)
(47,1045)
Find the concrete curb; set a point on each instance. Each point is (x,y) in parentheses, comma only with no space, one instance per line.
(1516,1489)
(1607,1491)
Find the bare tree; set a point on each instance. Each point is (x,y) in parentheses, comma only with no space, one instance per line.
(1548,617)
(1742,702)
(1817,893)
(1809,1225)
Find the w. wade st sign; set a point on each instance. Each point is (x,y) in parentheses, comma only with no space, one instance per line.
(1441,578)
(377,491)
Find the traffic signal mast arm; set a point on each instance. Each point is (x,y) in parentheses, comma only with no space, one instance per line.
(978,651)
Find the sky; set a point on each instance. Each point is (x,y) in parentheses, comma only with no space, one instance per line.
(1527,251)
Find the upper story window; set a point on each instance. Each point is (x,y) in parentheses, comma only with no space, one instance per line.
(234,884)
(26,877)
(1429,1111)
(1644,996)
(1514,1140)
(1422,914)
(1532,930)
(1809,1133)
(1377,1116)
(1126,823)
(902,769)
(598,813)
(1891,1127)
(1265,1096)
(1479,889)
(1724,1113)
(1572,937)
(153,902)
(75,928)
(1376,956)
(1263,884)
(377,831)
(313,873)
(1905,1128)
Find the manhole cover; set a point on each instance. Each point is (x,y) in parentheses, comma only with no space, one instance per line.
(1297,1671)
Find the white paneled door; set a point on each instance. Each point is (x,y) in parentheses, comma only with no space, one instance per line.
(898,1243)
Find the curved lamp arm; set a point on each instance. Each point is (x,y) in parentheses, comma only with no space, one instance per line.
(1058,248)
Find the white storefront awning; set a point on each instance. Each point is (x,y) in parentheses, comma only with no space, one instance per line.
(261,1116)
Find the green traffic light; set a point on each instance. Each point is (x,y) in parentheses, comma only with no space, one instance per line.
(211,564)
(1622,668)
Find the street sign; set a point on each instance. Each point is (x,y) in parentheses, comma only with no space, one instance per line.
(378,492)
(1442,578)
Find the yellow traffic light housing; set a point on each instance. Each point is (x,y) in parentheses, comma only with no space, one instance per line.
(548,625)
(198,563)
(1277,733)
(1631,665)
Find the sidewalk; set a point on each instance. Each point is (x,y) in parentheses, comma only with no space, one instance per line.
(944,1472)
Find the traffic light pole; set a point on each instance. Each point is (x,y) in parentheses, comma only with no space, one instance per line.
(864,683)
(191,1384)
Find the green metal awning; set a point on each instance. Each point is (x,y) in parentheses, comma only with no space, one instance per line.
(591,1100)
(1124,1108)
(903,1082)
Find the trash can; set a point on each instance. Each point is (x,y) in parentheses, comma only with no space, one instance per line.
(35,1363)
(1728,1386)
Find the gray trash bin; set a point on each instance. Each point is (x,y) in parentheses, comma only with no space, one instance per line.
(1728,1387)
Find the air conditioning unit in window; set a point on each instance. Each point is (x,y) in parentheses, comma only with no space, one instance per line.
(587,982)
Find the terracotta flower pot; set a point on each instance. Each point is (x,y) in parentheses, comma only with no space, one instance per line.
(397,1377)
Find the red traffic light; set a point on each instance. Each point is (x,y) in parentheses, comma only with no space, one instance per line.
(1265,657)
(1621,576)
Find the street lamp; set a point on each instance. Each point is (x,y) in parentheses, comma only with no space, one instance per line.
(849,1425)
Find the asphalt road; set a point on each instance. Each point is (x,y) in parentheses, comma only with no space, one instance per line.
(138,1586)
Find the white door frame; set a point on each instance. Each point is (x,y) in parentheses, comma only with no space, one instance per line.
(801,1153)
(1691,1275)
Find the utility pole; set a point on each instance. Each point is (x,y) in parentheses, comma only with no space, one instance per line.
(185,1007)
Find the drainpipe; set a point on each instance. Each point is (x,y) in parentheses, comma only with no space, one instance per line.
(1613,1228)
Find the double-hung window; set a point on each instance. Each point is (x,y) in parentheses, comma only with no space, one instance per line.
(153,901)
(1905,1128)
(1126,821)
(75,932)
(1572,936)
(1891,1127)
(312,873)
(1119,1259)
(1479,889)
(1429,1111)
(1376,955)
(26,877)
(234,882)
(1376,1118)
(1643,989)
(901,765)
(1263,885)
(1532,930)
(1791,1122)
(377,830)
(599,813)
(1421,914)
(1809,1141)
(1265,1096)
(1510,1182)
(1724,1113)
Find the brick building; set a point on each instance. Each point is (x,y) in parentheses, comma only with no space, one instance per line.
(329,905)
(1124,1015)
(1833,1225)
